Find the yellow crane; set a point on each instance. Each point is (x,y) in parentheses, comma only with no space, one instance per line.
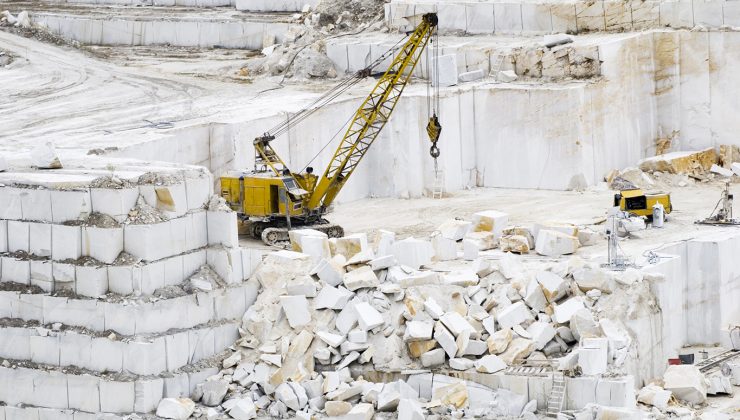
(272,199)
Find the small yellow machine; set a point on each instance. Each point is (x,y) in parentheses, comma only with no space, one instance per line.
(640,203)
(271,198)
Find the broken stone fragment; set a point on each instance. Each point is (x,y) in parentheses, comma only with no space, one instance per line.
(337,408)
(461,278)
(213,392)
(517,351)
(514,243)
(357,336)
(583,325)
(417,348)
(564,312)
(44,156)
(534,297)
(332,298)
(454,229)
(687,162)
(410,409)
(480,241)
(418,331)
(590,278)
(432,358)
(490,364)
(385,261)
(455,323)
(499,341)
(655,396)
(455,394)
(367,317)
(445,339)
(514,314)
(334,340)
(686,382)
(363,277)
(329,272)
(432,308)
(460,363)
(292,395)
(304,285)
(552,243)
(541,333)
(243,409)
(175,408)
(506,76)
(232,360)
(296,310)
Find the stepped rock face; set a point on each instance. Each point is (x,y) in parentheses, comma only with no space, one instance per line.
(128,271)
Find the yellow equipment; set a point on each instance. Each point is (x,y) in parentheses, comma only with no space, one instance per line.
(273,199)
(639,203)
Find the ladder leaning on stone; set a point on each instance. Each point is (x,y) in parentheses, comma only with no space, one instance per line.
(438,186)
(557,395)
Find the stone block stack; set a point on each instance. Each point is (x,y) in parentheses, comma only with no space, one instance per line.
(120,284)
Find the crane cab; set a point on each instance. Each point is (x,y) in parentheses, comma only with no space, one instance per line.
(262,195)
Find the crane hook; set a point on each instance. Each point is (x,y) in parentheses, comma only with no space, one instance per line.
(434,129)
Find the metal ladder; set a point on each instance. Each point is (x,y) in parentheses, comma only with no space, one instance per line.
(557,395)
(438,187)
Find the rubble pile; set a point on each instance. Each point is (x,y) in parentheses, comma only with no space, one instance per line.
(335,315)
(104,307)
(678,169)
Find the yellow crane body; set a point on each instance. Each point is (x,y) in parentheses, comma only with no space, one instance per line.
(272,198)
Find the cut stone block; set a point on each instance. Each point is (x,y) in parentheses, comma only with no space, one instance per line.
(19,238)
(66,242)
(311,242)
(349,245)
(296,310)
(552,243)
(490,221)
(447,70)
(534,297)
(445,249)
(471,76)
(40,239)
(413,252)
(116,203)
(385,243)
(590,278)
(101,243)
(222,228)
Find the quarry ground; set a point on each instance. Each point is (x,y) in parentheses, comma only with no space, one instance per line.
(421,216)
